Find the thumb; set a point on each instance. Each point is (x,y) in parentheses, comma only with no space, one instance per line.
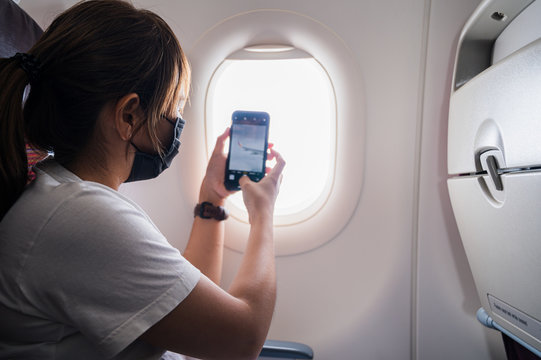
(244,180)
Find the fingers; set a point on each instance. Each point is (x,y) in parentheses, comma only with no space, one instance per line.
(220,142)
(270,154)
(276,171)
(244,180)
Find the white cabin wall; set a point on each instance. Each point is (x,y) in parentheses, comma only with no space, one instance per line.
(352,297)
(446,297)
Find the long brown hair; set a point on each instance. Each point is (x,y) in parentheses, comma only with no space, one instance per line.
(92,54)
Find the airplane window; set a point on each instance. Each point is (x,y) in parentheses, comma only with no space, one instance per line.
(310,83)
(297,93)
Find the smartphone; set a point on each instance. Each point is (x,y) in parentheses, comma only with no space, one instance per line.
(248,142)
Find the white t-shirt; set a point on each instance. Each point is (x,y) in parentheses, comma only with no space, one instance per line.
(83,272)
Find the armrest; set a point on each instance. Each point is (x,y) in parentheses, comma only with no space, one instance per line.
(286,350)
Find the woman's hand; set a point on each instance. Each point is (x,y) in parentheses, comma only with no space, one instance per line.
(260,197)
(212,188)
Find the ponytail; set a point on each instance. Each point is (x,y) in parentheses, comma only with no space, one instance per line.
(13,160)
(90,56)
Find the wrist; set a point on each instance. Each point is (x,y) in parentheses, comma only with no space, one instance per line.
(261,218)
(211,197)
(214,200)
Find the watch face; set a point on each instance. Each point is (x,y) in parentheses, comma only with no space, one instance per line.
(207,210)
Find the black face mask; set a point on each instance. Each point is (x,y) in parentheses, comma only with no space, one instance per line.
(148,166)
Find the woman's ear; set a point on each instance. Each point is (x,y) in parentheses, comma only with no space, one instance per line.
(128,115)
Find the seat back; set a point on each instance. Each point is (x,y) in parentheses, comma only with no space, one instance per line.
(18,33)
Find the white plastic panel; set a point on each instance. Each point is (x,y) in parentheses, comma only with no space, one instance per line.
(506,95)
(502,243)
(494,119)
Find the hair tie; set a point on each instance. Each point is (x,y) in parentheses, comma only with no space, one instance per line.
(30,64)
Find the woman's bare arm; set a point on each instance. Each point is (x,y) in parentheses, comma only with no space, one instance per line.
(214,324)
(205,247)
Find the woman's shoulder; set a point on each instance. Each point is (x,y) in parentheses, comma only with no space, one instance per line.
(58,198)
(57,186)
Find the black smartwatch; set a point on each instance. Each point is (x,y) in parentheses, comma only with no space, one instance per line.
(207,210)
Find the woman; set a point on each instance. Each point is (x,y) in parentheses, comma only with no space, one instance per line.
(84,274)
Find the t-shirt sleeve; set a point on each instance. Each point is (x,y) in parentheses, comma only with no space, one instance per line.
(102,267)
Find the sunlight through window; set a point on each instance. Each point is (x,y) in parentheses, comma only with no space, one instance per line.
(299,97)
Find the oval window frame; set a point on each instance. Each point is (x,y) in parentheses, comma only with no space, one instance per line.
(274,26)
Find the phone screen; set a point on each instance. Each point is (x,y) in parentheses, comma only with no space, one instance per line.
(247,147)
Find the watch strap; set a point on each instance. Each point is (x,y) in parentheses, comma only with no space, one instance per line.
(207,210)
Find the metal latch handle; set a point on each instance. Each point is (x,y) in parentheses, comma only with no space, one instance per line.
(492,167)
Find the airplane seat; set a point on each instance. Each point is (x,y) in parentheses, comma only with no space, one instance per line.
(494,165)
(285,350)
(18,33)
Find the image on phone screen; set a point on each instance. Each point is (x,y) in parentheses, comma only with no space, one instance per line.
(247,147)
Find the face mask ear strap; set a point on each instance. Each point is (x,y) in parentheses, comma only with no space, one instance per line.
(136,148)
(172,122)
